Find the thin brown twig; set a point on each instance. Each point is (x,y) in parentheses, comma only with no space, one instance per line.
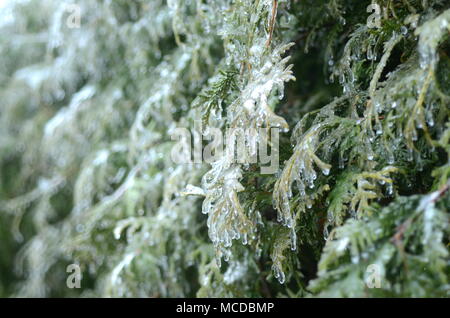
(272,22)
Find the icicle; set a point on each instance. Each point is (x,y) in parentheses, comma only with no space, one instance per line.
(279,274)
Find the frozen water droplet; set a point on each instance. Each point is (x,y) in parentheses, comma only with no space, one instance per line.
(341,162)
(80,228)
(249,105)
(390,189)
(325,232)
(404,30)
(379,129)
(391,158)
(430,119)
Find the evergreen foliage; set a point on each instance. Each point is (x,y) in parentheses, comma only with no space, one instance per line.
(86,120)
